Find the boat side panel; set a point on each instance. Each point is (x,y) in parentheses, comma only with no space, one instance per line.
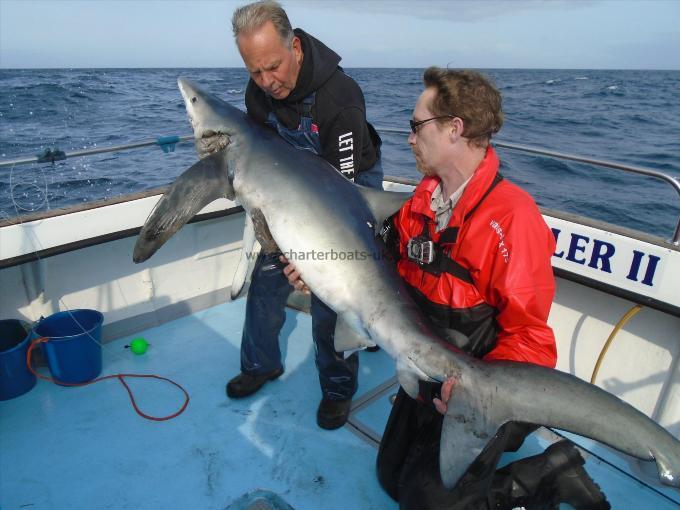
(198,261)
(25,239)
(633,265)
(641,364)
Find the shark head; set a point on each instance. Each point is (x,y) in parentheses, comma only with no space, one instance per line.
(218,128)
(216,123)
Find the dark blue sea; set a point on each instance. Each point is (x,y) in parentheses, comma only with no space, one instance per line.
(630,117)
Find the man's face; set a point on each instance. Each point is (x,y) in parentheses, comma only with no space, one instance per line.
(272,66)
(430,138)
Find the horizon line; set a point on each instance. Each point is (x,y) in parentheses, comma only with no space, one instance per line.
(2,68)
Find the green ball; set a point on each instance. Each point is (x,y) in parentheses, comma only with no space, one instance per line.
(139,345)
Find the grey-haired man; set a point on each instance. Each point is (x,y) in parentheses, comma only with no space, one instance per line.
(298,89)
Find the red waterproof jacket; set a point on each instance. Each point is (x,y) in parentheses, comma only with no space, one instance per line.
(506,247)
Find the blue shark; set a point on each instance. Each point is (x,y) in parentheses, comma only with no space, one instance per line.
(299,203)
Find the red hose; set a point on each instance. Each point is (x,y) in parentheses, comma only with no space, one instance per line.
(120,377)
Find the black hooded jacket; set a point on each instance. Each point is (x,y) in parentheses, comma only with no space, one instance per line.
(339,110)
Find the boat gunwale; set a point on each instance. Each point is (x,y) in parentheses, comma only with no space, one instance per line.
(571,217)
(229,211)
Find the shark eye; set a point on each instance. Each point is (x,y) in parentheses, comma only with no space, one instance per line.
(194,99)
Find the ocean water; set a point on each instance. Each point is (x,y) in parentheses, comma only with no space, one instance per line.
(630,117)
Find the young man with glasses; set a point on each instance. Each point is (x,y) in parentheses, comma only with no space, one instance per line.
(297,88)
(475,254)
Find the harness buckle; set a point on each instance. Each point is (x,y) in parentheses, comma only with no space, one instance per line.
(421,250)
(385,230)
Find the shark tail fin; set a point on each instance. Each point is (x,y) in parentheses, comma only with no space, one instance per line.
(667,464)
(467,428)
(202,183)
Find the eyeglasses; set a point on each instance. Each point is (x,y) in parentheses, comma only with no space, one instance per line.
(414,124)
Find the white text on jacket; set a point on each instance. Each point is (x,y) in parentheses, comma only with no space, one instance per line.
(346,145)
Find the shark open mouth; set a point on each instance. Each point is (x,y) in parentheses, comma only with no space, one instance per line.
(211,142)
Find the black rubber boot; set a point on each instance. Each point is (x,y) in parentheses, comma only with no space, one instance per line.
(574,485)
(555,476)
(245,384)
(333,414)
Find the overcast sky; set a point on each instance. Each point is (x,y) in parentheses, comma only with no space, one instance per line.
(592,34)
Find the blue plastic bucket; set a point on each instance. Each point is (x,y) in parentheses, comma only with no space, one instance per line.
(73,352)
(15,378)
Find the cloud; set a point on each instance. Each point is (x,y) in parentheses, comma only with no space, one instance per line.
(458,10)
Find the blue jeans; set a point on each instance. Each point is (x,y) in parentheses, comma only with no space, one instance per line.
(265,315)
(373,177)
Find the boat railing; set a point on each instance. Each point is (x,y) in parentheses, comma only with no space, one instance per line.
(167,143)
(668,179)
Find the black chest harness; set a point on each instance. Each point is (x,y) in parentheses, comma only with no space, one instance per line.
(431,256)
(472,329)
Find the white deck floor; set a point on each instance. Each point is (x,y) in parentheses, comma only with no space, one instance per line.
(86,448)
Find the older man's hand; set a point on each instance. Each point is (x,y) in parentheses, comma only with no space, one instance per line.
(447,389)
(293,275)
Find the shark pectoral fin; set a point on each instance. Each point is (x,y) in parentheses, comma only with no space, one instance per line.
(202,183)
(262,232)
(466,430)
(383,204)
(249,251)
(347,338)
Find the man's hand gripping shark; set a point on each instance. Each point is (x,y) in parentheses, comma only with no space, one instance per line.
(299,202)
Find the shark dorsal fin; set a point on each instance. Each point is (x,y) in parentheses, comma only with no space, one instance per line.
(383,204)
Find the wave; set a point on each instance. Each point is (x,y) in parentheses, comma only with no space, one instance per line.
(80,95)
(614,90)
(78,183)
(40,89)
(557,168)
(611,90)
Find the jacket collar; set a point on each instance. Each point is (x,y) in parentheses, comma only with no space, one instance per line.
(480,182)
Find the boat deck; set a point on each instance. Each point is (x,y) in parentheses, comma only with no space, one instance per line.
(63,448)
